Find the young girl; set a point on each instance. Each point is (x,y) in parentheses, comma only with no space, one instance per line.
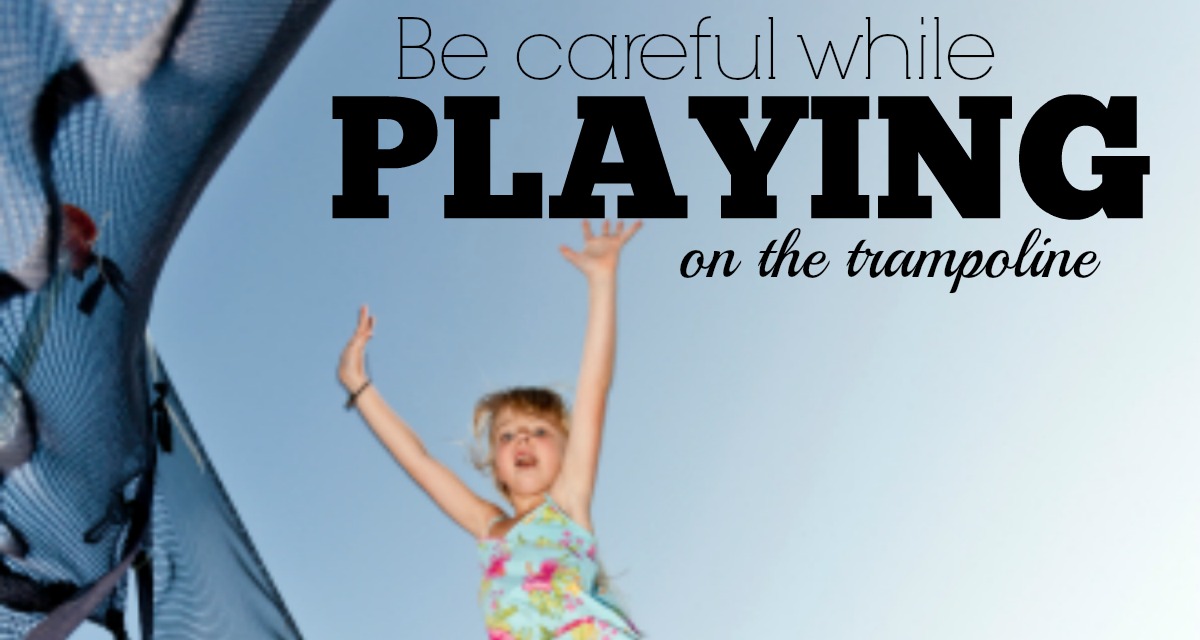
(540,572)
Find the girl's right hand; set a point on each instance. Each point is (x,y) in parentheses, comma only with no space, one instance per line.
(352,373)
(598,257)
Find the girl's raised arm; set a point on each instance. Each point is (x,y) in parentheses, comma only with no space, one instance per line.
(598,262)
(445,488)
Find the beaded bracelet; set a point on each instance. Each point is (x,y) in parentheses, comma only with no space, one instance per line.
(353,399)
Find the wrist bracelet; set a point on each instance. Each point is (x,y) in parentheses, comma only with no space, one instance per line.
(353,399)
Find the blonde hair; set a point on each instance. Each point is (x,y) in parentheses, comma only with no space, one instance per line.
(542,402)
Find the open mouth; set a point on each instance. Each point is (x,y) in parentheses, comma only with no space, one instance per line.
(525,461)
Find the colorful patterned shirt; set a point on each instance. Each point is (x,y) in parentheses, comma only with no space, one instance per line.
(539,583)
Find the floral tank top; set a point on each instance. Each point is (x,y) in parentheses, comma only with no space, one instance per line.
(539,583)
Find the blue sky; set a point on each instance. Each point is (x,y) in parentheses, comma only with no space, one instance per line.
(830,458)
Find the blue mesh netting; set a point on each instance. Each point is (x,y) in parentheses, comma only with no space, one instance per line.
(113,116)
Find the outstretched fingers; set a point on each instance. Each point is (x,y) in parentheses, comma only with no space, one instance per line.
(366,324)
(570,254)
(624,234)
(607,229)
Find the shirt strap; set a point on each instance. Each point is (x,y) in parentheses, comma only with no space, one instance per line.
(490,525)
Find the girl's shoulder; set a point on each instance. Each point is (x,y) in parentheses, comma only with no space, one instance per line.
(502,523)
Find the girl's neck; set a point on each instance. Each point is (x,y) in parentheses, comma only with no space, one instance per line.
(525,503)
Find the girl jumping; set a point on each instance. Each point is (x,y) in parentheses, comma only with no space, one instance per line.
(540,575)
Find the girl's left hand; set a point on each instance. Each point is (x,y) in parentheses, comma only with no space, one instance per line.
(598,258)
(352,371)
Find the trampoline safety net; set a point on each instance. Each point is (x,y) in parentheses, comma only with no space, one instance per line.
(114,114)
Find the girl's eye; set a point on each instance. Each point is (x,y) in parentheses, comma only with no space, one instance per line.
(540,432)
(506,438)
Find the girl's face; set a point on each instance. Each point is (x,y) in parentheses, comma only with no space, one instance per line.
(528,452)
